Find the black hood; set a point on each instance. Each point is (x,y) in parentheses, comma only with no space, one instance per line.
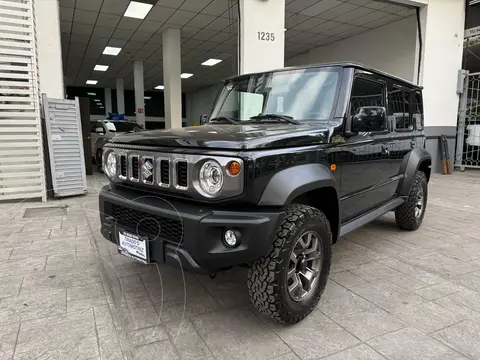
(251,136)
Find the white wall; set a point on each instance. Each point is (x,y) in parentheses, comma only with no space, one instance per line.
(49,48)
(200,102)
(443,23)
(262,43)
(390,48)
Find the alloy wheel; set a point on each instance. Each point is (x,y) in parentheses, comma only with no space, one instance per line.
(304,266)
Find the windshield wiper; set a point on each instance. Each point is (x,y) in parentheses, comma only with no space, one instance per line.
(225,118)
(284,118)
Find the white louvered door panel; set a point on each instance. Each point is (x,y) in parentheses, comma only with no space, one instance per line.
(65,146)
(22,173)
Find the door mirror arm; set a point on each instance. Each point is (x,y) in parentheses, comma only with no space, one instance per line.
(348,128)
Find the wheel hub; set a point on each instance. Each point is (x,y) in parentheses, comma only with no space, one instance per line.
(304,266)
(419,204)
(302,263)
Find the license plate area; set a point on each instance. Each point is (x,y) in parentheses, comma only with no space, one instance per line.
(134,246)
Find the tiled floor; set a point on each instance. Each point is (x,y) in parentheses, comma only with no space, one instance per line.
(66,294)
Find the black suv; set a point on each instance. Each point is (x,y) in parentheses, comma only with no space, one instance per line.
(288,162)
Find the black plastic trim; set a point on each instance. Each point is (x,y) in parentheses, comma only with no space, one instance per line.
(370,216)
(290,183)
(409,166)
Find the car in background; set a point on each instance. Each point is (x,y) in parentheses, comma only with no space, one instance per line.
(102,131)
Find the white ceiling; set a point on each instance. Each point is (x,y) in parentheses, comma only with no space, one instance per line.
(208,30)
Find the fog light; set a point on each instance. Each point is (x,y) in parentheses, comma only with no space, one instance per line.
(231,238)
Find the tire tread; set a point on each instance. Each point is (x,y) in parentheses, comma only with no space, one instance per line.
(264,288)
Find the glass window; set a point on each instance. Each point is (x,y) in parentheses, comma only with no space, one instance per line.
(366,99)
(417,110)
(93,126)
(399,109)
(122,126)
(366,93)
(305,94)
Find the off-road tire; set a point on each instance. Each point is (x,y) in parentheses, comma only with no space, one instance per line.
(405,213)
(267,280)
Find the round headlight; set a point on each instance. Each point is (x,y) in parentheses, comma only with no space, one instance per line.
(211,177)
(110,166)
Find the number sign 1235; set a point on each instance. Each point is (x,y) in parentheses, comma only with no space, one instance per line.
(265,36)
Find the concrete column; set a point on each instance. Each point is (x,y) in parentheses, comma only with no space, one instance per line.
(262,43)
(139,92)
(120,96)
(108,101)
(442,28)
(49,49)
(171,78)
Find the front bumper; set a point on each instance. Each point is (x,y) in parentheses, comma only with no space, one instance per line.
(191,234)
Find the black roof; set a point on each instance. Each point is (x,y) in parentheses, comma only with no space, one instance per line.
(345,64)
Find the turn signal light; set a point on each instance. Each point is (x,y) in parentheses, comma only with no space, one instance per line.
(233,168)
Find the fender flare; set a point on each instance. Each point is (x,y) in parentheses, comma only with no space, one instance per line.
(289,183)
(409,166)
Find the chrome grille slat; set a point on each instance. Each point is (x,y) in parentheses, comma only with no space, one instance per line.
(123,167)
(164,172)
(133,162)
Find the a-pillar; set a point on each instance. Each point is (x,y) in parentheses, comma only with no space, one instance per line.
(139,92)
(442,29)
(262,43)
(120,96)
(171,78)
(108,101)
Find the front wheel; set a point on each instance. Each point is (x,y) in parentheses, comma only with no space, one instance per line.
(409,215)
(287,283)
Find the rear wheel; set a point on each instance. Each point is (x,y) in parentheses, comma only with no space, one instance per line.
(287,283)
(410,214)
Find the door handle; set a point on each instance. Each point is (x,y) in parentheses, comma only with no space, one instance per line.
(385,150)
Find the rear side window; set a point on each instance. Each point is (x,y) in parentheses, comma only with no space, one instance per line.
(417,110)
(399,109)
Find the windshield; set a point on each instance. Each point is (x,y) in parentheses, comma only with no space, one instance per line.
(304,94)
(122,126)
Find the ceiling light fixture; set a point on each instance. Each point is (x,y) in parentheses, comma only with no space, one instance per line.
(137,10)
(147,97)
(91,94)
(96,100)
(186,75)
(211,62)
(100,68)
(110,50)
(92,82)
(159,87)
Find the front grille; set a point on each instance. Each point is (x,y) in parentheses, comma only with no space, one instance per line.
(146,224)
(135,167)
(182,173)
(165,172)
(123,166)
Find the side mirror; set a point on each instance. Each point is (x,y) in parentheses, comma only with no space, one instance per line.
(99,130)
(203,119)
(367,119)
